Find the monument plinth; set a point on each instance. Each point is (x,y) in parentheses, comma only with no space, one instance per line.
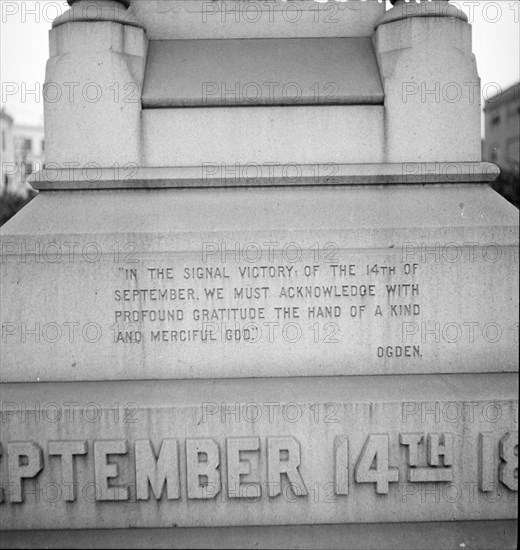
(264,285)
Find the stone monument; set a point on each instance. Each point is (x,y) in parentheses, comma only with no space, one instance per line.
(265,296)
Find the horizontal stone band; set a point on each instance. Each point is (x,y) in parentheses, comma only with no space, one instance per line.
(125,3)
(220,452)
(254,175)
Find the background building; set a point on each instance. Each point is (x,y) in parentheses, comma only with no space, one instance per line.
(8,159)
(29,148)
(23,152)
(502,140)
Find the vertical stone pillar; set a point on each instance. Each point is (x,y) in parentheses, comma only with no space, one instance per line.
(431,83)
(93,86)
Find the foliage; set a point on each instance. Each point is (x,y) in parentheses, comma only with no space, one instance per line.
(11,203)
(508,185)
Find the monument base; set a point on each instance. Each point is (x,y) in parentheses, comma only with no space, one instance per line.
(406,414)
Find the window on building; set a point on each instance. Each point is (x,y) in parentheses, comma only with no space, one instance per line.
(27,144)
(28,169)
(512,150)
(495,120)
(43,146)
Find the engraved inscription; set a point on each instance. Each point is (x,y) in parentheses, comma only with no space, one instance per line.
(308,299)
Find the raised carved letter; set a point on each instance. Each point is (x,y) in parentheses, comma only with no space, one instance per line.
(376,449)
(278,464)
(341,464)
(67,450)
(202,462)
(103,470)
(33,463)
(236,468)
(155,472)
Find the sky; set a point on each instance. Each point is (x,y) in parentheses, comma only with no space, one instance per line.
(24,28)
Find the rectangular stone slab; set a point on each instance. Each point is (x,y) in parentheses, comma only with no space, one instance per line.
(202,73)
(248,137)
(194,19)
(188,286)
(442,448)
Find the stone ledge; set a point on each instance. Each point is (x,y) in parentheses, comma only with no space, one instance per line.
(498,386)
(258,175)
(417,536)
